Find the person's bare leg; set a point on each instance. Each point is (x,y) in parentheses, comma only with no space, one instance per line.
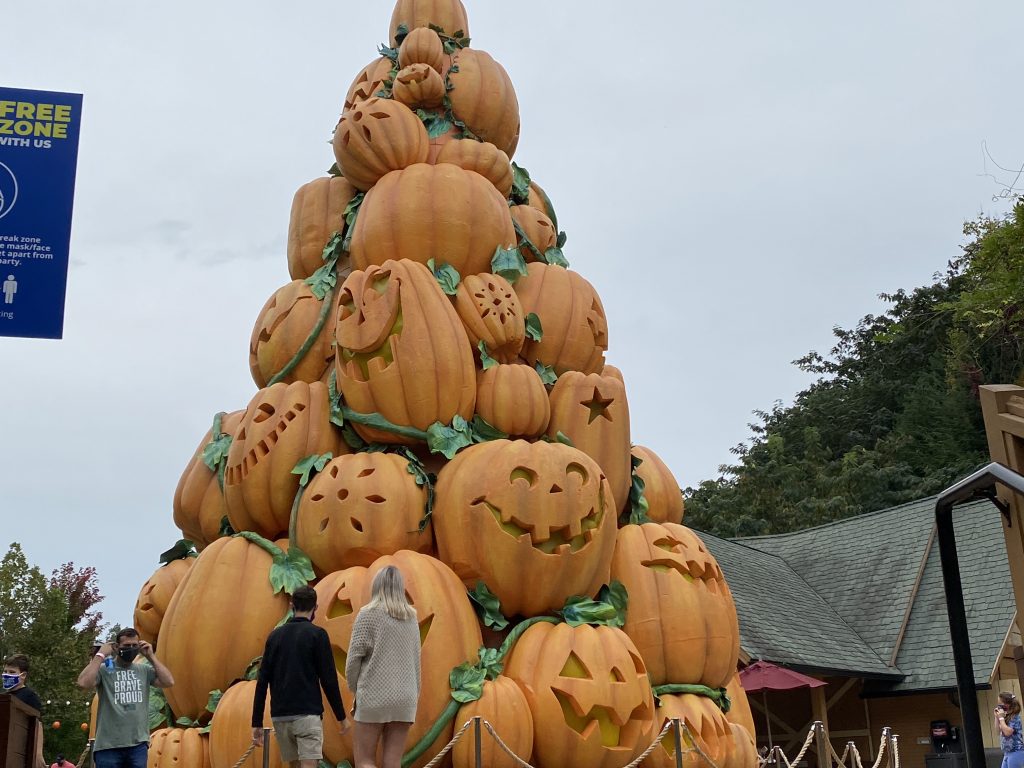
(364,743)
(394,744)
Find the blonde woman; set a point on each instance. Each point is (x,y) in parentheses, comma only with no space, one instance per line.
(383,671)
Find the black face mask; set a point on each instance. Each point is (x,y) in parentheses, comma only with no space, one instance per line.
(127,655)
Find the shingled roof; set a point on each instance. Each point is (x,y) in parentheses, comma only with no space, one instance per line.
(834,598)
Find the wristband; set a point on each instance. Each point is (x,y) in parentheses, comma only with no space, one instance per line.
(100,656)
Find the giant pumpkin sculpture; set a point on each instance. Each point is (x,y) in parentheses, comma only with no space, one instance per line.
(435,395)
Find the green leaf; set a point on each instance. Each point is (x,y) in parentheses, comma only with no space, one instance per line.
(564,439)
(351,213)
(322,281)
(253,670)
(556,258)
(486,361)
(547,373)
(291,570)
(213,701)
(484,432)
(534,330)
(437,124)
(388,52)
(183,549)
(159,710)
(615,594)
(490,662)
(310,465)
(520,184)
(562,237)
(334,170)
(401,32)
(185,722)
(509,263)
(609,609)
(447,277)
(225,527)
(467,683)
(487,606)
(638,505)
(215,452)
(352,438)
(449,440)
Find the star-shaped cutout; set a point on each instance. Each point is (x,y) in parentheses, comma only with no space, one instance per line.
(598,406)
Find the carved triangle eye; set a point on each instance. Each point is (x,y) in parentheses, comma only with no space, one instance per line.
(574,667)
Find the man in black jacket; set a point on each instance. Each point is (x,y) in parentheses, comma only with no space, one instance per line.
(297,662)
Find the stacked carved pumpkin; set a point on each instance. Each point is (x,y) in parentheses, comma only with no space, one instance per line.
(434,394)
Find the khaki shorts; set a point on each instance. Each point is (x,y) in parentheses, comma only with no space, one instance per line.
(301,739)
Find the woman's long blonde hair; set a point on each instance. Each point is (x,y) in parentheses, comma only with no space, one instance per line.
(388,594)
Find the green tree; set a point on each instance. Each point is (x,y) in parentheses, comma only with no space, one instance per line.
(893,415)
(53,621)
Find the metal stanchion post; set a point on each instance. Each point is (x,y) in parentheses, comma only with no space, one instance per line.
(266,748)
(677,737)
(478,747)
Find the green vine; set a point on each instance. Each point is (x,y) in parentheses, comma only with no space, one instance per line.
(718,695)
(215,453)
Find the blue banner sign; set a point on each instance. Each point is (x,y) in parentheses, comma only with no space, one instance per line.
(38,157)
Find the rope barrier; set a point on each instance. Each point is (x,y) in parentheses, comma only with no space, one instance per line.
(505,747)
(895,751)
(248,753)
(85,754)
(448,747)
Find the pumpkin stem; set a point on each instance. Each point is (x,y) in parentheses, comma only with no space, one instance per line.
(519,630)
(717,695)
(377,421)
(265,544)
(446,716)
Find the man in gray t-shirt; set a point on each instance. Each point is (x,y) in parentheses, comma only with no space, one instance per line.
(122,719)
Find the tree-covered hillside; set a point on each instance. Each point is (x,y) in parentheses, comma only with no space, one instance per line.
(894,414)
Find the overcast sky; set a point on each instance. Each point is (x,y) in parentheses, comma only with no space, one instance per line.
(735,178)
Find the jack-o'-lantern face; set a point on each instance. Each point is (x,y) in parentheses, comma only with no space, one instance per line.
(589,686)
(282,328)
(532,520)
(283,424)
(681,613)
(361,507)
(339,598)
(401,350)
(706,728)
(156,596)
(369,314)
(490,310)
(545,513)
(368,82)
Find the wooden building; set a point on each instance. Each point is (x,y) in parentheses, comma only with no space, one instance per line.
(859,603)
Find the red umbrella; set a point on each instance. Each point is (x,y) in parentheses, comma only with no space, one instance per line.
(764,676)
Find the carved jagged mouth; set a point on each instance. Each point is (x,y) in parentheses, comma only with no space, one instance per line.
(691,570)
(236,473)
(603,718)
(572,537)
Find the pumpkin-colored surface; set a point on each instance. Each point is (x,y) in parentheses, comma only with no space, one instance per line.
(538,230)
(378,136)
(231,730)
(664,498)
(539,199)
(438,212)
(681,613)
(504,706)
(339,597)
(368,82)
(422,46)
(744,748)
(283,424)
(532,520)
(490,310)
(575,326)
(483,97)
(591,410)
(402,350)
(361,507)
(706,727)
(513,399)
(318,211)
(199,506)
(449,15)
(480,157)
(178,748)
(227,586)
(739,712)
(419,86)
(283,328)
(155,596)
(589,694)
(615,373)
(449,634)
